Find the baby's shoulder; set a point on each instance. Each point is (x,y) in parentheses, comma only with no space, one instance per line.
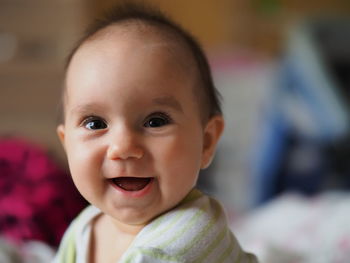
(194,231)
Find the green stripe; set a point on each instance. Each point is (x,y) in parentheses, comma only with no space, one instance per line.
(193,195)
(155,223)
(158,255)
(204,231)
(191,222)
(173,221)
(67,252)
(229,250)
(251,257)
(239,257)
(212,246)
(70,254)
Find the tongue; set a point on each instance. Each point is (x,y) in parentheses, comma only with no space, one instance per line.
(131,183)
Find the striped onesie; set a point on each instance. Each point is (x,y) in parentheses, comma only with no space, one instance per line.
(194,231)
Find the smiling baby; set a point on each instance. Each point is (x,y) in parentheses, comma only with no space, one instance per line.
(141,117)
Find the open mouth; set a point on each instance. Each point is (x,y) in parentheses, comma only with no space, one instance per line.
(131,183)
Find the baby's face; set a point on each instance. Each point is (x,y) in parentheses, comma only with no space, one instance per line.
(133,133)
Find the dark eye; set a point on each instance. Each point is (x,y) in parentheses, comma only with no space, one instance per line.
(94,123)
(157,121)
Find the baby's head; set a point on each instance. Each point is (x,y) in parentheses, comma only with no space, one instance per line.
(141,115)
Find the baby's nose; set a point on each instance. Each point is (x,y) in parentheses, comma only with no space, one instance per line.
(124,146)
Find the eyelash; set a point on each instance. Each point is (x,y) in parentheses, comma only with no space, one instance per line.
(160,116)
(91,119)
(163,117)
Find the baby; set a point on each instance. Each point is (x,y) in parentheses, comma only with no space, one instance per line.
(141,117)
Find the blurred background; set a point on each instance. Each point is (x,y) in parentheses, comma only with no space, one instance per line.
(283,68)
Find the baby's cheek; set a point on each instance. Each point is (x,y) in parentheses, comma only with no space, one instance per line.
(80,165)
(182,162)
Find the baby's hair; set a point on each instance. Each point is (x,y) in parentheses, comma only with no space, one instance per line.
(131,11)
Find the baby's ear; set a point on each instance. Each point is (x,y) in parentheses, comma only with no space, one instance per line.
(61,133)
(212,134)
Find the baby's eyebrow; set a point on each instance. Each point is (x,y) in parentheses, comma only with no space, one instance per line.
(168,101)
(85,109)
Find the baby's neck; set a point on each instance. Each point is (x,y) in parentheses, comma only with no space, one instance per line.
(110,239)
(121,228)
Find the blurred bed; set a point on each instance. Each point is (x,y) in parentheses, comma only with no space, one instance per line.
(299,166)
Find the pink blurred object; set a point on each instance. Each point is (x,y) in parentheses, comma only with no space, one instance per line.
(37,197)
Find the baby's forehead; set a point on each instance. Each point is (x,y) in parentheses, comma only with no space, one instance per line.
(144,36)
(124,43)
(184,52)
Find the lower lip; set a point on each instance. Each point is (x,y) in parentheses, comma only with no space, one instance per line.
(136,194)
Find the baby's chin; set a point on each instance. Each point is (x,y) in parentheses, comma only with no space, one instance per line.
(132,218)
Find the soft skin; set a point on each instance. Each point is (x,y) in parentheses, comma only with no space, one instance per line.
(130,111)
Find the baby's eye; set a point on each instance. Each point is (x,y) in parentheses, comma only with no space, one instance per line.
(94,123)
(157,120)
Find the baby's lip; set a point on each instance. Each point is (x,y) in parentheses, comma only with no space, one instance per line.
(131,184)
